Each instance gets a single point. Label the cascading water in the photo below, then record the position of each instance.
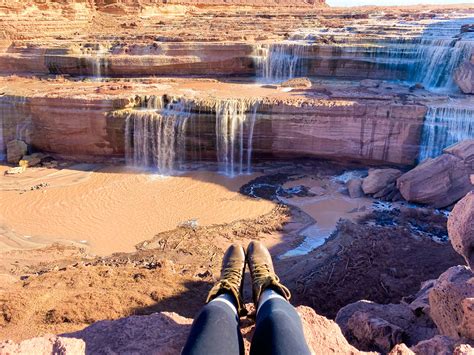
(425, 51)
(234, 120)
(443, 127)
(155, 136)
(281, 61)
(2, 143)
(99, 63)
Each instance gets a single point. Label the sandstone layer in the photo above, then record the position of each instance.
(347, 124)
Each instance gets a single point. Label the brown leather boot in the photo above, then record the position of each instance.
(232, 277)
(262, 272)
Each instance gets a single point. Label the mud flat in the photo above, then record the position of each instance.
(111, 209)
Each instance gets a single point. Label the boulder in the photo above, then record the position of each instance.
(439, 345)
(16, 149)
(463, 150)
(464, 77)
(29, 161)
(48, 344)
(401, 349)
(463, 349)
(297, 83)
(452, 302)
(354, 187)
(372, 326)
(437, 182)
(379, 179)
(374, 333)
(443, 345)
(461, 228)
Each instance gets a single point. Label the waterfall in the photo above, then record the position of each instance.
(2, 142)
(443, 127)
(428, 53)
(424, 51)
(281, 61)
(155, 136)
(235, 119)
(99, 63)
(436, 61)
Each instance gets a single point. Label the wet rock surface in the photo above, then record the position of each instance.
(464, 77)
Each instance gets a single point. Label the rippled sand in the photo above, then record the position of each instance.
(111, 209)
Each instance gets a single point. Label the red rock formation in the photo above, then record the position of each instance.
(452, 303)
(442, 181)
(379, 179)
(461, 228)
(86, 122)
(167, 333)
(372, 326)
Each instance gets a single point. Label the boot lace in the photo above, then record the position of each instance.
(262, 271)
(232, 275)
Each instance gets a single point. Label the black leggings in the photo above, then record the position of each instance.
(216, 331)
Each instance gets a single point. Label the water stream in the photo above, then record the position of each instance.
(443, 127)
(235, 119)
(155, 136)
(281, 61)
(2, 142)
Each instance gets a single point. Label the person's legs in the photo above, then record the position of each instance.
(216, 329)
(278, 330)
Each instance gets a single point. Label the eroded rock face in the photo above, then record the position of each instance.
(441, 181)
(461, 228)
(372, 326)
(452, 302)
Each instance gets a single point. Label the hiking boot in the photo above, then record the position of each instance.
(262, 272)
(232, 277)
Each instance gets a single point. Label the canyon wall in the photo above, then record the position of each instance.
(266, 3)
(94, 129)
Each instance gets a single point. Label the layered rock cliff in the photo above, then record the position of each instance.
(90, 123)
